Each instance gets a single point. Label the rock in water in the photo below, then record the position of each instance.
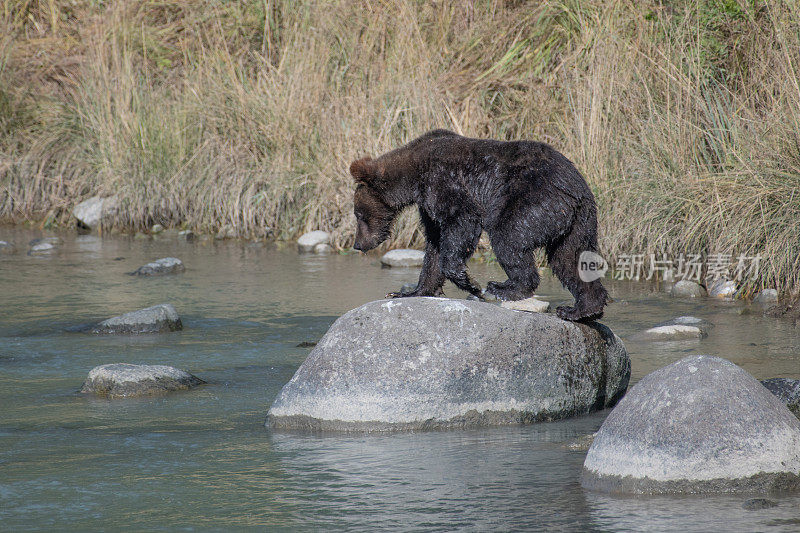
(787, 391)
(157, 319)
(165, 265)
(766, 297)
(677, 329)
(91, 212)
(308, 241)
(688, 289)
(123, 380)
(419, 363)
(724, 289)
(701, 424)
(403, 258)
(7, 247)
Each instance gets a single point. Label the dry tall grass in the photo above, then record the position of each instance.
(683, 116)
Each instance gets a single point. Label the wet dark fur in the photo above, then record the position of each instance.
(525, 195)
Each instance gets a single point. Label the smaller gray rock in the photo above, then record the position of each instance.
(701, 424)
(7, 247)
(403, 257)
(42, 248)
(323, 249)
(688, 289)
(787, 391)
(165, 265)
(93, 211)
(766, 297)
(723, 289)
(157, 319)
(531, 305)
(157, 228)
(309, 241)
(681, 328)
(187, 235)
(123, 380)
(55, 241)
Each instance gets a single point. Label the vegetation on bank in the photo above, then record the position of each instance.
(683, 115)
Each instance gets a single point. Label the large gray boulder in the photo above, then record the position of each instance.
(93, 211)
(418, 363)
(786, 390)
(157, 319)
(123, 380)
(159, 267)
(701, 424)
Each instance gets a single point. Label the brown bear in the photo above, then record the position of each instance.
(525, 195)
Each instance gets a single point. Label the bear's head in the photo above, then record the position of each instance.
(373, 215)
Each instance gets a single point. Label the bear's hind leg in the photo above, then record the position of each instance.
(591, 297)
(458, 243)
(523, 278)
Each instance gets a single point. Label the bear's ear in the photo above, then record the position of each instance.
(363, 170)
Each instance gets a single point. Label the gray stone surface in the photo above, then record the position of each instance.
(787, 390)
(157, 319)
(323, 248)
(701, 424)
(677, 329)
(420, 363)
(41, 248)
(766, 297)
(688, 289)
(404, 257)
(157, 228)
(7, 247)
(724, 289)
(531, 305)
(165, 265)
(93, 211)
(123, 380)
(308, 241)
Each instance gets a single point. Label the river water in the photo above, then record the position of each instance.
(202, 459)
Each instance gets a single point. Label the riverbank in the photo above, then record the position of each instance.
(683, 118)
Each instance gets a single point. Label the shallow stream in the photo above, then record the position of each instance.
(203, 459)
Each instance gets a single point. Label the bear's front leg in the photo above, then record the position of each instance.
(457, 245)
(431, 278)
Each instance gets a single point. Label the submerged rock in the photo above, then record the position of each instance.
(323, 248)
(123, 380)
(403, 257)
(756, 504)
(157, 319)
(766, 297)
(701, 424)
(308, 241)
(723, 288)
(187, 235)
(419, 363)
(581, 444)
(681, 328)
(7, 247)
(42, 248)
(531, 305)
(93, 211)
(165, 265)
(688, 289)
(787, 391)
